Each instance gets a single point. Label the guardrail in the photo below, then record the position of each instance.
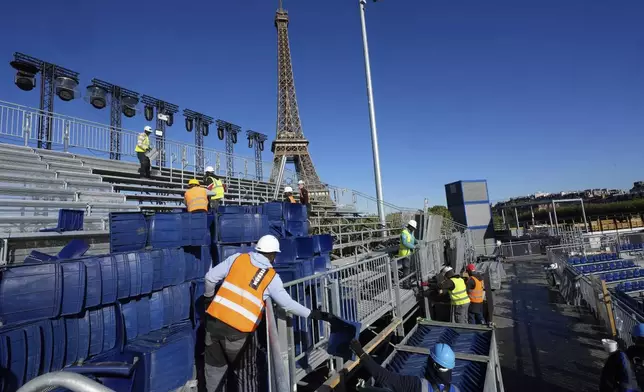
(362, 292)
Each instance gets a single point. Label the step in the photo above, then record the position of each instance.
(72, 175)
(37, 193)
(31, 183)
(106, 208)
(16, 207)
(53, 153)
(18, 153)
(103, 197)
(92, 186)
(26, 171)
(27, 224)
(59, 159)
(14, 147)
(55, 166)
(32, 159)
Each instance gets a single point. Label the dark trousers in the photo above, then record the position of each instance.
(144, 170)
(220, 355)
(475, 318)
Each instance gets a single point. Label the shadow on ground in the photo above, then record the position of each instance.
(544, 344)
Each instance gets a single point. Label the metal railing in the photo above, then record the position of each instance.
(362, 292)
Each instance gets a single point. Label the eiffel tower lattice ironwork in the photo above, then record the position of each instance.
(290, 140)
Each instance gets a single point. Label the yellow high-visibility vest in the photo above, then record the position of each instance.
(218, 188)
(143, 143)
(458, 295)
(405, 236)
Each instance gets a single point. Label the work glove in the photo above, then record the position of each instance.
(207, 301)
(356, 347)
(317, 314)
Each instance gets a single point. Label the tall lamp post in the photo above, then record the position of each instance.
(372, 116)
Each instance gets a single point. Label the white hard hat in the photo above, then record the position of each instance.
(288, 189)
(268, 244)
(412, 223)
(300, 182)
(147, 128)
(446, 269)
(210, 169)
(498, 243)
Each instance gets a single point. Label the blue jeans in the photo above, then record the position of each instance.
(475, 318)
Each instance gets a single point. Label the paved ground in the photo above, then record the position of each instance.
(544, 344)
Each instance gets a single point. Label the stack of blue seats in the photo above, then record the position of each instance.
(133, 308)
(637, 246)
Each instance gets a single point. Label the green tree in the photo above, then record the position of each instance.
(440, 210)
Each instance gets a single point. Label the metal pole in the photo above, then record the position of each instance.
(516, 216)
(554, 210)
(372, 116)
(583, 211)
(532, 213)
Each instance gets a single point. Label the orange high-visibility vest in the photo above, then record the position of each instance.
(291, 199)
(476, 294)
(196, 199)
(240, 299)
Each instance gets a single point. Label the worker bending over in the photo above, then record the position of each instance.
(235, 310)
(623, 370)
(288, 195)
(459, 299)
(196, 197)
(438, 373)
(406, 248)
(475, 291)
(215, 188)
(142, 147)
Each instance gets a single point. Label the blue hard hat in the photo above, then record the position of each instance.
(637, 331)
(443, 355)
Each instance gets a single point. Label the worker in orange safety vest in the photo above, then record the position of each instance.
(476, 292)
(196, 197)
(234, 311)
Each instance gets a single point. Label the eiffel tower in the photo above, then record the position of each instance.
(290, 140)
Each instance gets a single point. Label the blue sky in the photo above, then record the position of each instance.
(531, 95)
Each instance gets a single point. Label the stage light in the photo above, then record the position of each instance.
(128, 106)
(206, 129)
(26, 76)
(97, 96)
(170, 120)
(250, 142)
(66, 88)
(261, 146)
(149, 112)
(220, 133)
(189, 124)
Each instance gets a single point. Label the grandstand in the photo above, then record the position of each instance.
(36, 183)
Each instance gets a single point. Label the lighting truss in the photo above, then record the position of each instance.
(165, 108)
(256, 140)
(117, 94)
(49, 73)
(231, 131)
(201, 129)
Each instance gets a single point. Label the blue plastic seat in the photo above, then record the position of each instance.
(297, 228)
(629, 274)
(167, 360)
(74, 286)
(128, 231)
(174, 267)
(619, 264)
(157, 311)
(636, 273)
(147, 272)
(593, 268)
(622, 275)
(30, 292)
(158, 267)
(630, 263)
(102, 330)
(628, 287)
(68, 220)
(78, 336)
(613, 266)
(583, 260)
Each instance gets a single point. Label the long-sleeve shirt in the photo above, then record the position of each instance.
(275, 289)
(394, 381)
(411, 244)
